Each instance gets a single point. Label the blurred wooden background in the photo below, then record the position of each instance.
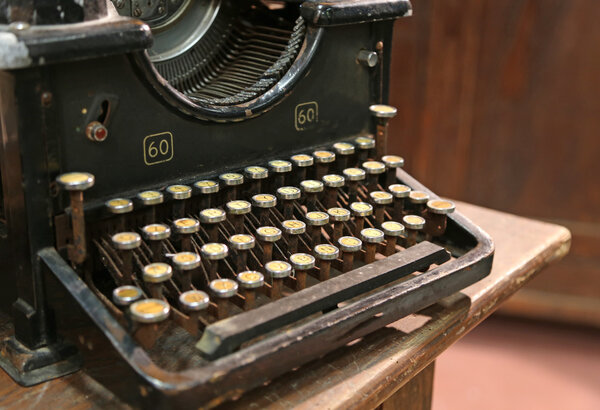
(499, 105)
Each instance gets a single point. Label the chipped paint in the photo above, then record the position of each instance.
(13, 53)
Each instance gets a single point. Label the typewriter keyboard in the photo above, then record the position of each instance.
(188, 256)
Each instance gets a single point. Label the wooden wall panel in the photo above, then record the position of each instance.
(499, 105)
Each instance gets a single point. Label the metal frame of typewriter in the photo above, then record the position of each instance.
(31, 210)
(227, 377)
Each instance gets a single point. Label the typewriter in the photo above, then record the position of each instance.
(203, 189)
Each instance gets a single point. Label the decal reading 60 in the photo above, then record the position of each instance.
(158, 148)
(306, 116)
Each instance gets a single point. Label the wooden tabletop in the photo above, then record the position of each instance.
(370, 370)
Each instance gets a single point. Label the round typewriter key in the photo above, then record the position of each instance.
(75, 183)
(343, 148)
(236, 210)
(249, 281)
(241, 243)
(154, 275)
(207, 189)
(373, 170)
(392, 231)
(353, 176)
(124, 296)
(413, 224)
(126, 240)
(293, 228)
(280, 166)
(211, 217)
(392, 162)
(365, 146)
(278, 271)
(155, 234)
(400, 193)
(193, 302)
(316, 219)
(301, 162)
(371, 237)
(223, 289)
(119, 207)
(185, 263)
(418, 200)
(149, 311)
(325, 253)
(323, 159)
(332, 183)
(179, 193)
(349, 245)
(232, 181)
(302, 263)
(338, 216)
(437, 215)
(151, 197)
(186, 227)
(287, 196)
(256, 174)
(360, 210)
(380, 199)
(215, 251)
(267, 235)
(311, 188)
(264, 202)
(382, 114)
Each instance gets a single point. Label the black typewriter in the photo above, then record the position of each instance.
(204, 186)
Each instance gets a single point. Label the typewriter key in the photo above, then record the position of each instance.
(76, 183)
(249, 281)
(223, 289)
(193, 302)
(155, 234)
(186, 228)
(332, 183)
(373, 169)
(287, 196)
(392, 231)
(150, 199)
(119, 207)
(214, 252)
(241, 243)
(267, 235)
(236, 210)
(301, 162)
(280, 169)
(371, 237)
(338, 216)
(380, 199)
(365, 145)
(311, 188)
(207, 189)
(232, 181)
(124, 296)
(382, 114)
(264, 202)
(293, 229)
(400, 193)
(353, 176)
(360, 210)
(413, 224)
(418, 199)
(149, 311)
(392, 162)
(155, 275)
(211, 218)
(325, 253)
(323, 159)
(179, 193)
(349, 246)
(344, 151)
(185, 263)
(316, 219)
(256, 174)
(126, 242)
(437, 215)
(278, 271)
(302, 263)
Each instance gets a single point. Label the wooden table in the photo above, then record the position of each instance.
(392, 367)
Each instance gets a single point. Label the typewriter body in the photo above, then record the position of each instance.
(205, 186)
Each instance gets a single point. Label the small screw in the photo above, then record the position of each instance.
(46, 99)
(137, 12)
(119, 3)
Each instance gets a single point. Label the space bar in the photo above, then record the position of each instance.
(227, 335)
